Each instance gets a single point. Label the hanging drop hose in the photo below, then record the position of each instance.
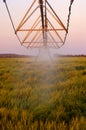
(11, 20)
(68, 20)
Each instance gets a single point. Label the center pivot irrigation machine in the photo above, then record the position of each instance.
(46, 28)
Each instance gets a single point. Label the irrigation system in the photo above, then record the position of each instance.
(42, 32)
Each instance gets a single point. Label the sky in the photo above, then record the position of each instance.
(76, 40)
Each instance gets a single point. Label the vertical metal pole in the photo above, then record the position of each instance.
(45, 26)
(42, 18)
(42, 4)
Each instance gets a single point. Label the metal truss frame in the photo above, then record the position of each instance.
(46, 27)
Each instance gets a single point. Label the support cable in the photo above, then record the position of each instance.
(11, 20)
(9, 14)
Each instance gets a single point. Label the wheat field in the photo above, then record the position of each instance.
(43, 95)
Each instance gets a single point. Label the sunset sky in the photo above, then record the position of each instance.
(76, 39)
